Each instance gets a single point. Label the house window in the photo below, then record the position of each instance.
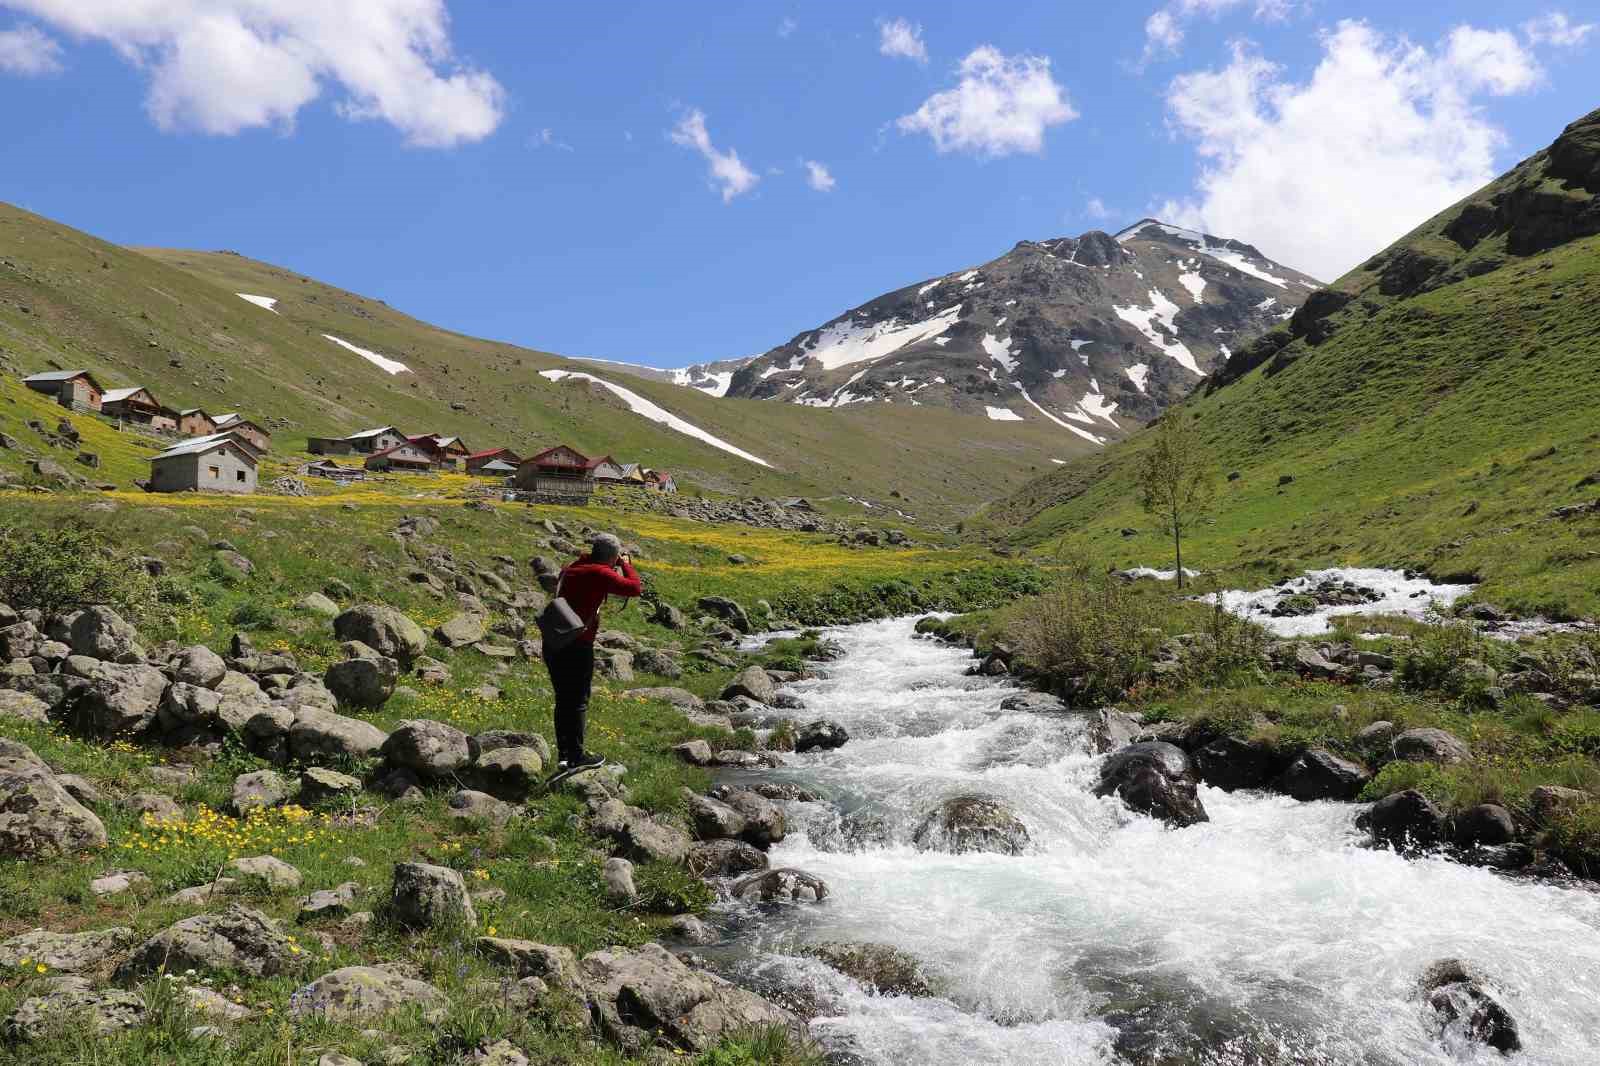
(215, 471)
(239, 476)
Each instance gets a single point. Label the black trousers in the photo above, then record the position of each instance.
(572, 677)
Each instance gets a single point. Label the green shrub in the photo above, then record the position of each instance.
(767, 1047)
(253, 615)
(56, 569)
(666, 889)
(1090, 634)
(1448, 656)
(1227, 649)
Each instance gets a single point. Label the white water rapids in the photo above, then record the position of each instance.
(1268, 935)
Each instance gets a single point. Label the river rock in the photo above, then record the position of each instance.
(730, 611)
(1465, 1007)
(692, 930)
(68, 1004)
(1231, 763)
(648, 997)
(821, 735)
(782, 885)
(753, 683)
(693, 752)
(971, 823)
(635, 835)
(1550, 801)
(424, 896)
(1109, 729)
(1403, 820)
(64, 952)
(764, 821)
(1431, 745)
(1487, 824)
(1321, 775)
(238, 939)
(39, 817)
(712, 819)
(363, 991)
(886, 970)
(1154, 778)
(725, 858)
(384, 629)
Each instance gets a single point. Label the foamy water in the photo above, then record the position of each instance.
(1265, 936)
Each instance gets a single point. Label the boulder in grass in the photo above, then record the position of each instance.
(237, 939)
(753, 683)
(554, 965)
(23, 707)
(384, 629)
(64, 952)
(200, 666)
(65, 1005)
(509, 774)
(424, 896)
(120, 700)
(1431, 745)
(38, 816)
(271, 871)
(460, 630)
(318, 784)
(317, 735)
(363, 678)
(101, 633)
(428, 748)
(355, 992)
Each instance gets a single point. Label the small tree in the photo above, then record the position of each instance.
(1175, 479)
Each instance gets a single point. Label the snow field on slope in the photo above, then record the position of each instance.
(267, 302)
(655, 413)
(382, 362)
(1145, 319)
(844, 343)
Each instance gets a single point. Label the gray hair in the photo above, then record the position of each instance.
(604, 547)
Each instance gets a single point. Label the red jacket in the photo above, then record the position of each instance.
(585, 584)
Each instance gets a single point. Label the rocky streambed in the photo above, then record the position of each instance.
(993, 909)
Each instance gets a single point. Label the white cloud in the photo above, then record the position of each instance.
(1096, 209)
(221, 66)
(901, 39)
(787, 26)
(1164, 29)
(818, 178)
(27, 51)
(1555, 28)
(1324, 173)
(727, 170)
(1001, 105)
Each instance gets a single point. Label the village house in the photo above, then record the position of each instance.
(605, 469)
(632, 474)
(492, 462)
(194, 422)
(137, 406)
(404, 458)
(327, 468)
(216, 463)
(366, 442)
(661, 481)
(449, 453)
(75, 389)
(244, 428)
(560, 472)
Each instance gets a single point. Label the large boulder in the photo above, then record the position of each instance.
(1431, 745)
(1465, 1008)
(647, 997)
(782, 885)
(510, 774)
(1485, 825)
(424, 896)
(199, 665)
(384, 629)
(38, 816)
(1318, 774)
(555, 965)
(725, 858)
(971, 822)
(821, 735)
(427, 748)
(319, 784)
(1404, 820)
(1232, 763)
(730, 611)
(364, 992)
(712, 819)
(66, 1006)
(23, 707)
(187, 707)
(269, 870)
(363, 678)
(460, 630)
(317, 735)
(764, 820)
(1109, 729)
(120, 700)
(101, 633)
(258, 789)
(635, 835)
(753, 683)
(238, 939)
(886, 970)
(64, 952)
(1154, 778)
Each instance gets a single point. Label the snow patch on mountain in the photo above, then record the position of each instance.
(1085, 434)
(1194, 283)
(1162, 311)
(1000, 351)
(654, 412)
(844, 343)
(259, 301)
(1138, 373)
(1002, 414)
(384, 363)
(1093, 406)
(710, 384)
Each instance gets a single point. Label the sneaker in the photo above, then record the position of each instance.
(586, 760)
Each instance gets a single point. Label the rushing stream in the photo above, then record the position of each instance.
(1267, 936)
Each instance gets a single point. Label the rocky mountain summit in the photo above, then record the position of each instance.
(1088, 332)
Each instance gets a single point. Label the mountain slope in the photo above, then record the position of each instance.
(174, 321)
(1433, 408)
(1089, 333)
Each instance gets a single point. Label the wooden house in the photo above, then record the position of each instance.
(449, 453)
(632, 474)
(137, 406)
(329, 446)
(220, 462)
(477, 461)
(372, 441)
(403, 458)
(661, 481)
(245, 429)
(195, 423)
(75, 389)
(456, 451)
(605, 469)
(559, 472)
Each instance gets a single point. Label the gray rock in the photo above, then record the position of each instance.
(362, 680)
(385, 630)
(329, 902)
(555, 965)
(752, 682)
(1465, 1007)
(695, 752)
(782, 885)
(1311, 663)
(494, 739)
(120, 700)
(185, 705)
(200, 666)
(820, 735)
(460, 630)
(117, 882)
(425, 896)
(764, 821)
(274, 872)
(635, 835)
(64, 952)
(1485, 825)
(1431, 745)
(101, 633)
(157, 805)
(1232, 763)
(318, 604)
(238, 939)
(712, 819)
(469, 804)
(363, 991)
(234, 561)
(69, 1004)
(428, 748)
(971, 823)
(38, 817)
(1404, 820)
(197, 895)
(1549, 801)
(618, 876)
(317, 735)
(1109, 730)
(23, 707)
(1321, 775)
(260, 788)
(692, 930)
(510, 774)
(725, 858)
(1154, 778)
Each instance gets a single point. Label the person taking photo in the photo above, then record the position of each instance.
(584, 584)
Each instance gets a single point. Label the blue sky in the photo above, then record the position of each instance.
(642, 183)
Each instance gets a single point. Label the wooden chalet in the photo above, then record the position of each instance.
(372, 441)
(194, 422)
(449, 453)
(605, 469)
(558, 473)
(404, 458)
(242, 427)
(660, 480)
(499, 458)
(138, 406)
(74, 389)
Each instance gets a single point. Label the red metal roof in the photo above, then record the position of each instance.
(557, 448)
(492, 451)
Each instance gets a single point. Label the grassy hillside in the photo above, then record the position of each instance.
(1432, 409)
(171, 320)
